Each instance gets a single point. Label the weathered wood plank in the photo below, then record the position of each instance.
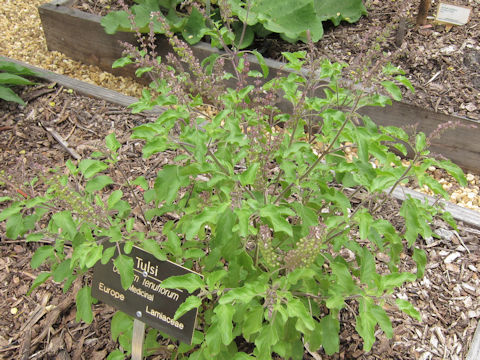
(84, 88)
(80, 36)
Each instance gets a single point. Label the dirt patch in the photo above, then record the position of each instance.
(42, 325)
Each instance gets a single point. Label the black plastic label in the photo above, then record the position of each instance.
(145, 299)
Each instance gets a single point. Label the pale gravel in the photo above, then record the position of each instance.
(21, 38)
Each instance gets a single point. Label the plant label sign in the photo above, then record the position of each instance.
(145, 300)
(453, 14)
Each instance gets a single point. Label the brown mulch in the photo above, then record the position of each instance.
(442, 64)
(42, 325)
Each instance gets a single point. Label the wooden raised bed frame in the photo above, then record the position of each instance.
(80, 36)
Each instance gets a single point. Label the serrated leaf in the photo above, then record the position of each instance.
(65, 222)
(392, 89)
(62, 271)
(276, 216)
(120, 324)
(249, 176)
(224, 314)
(420, 258)
(14, 226)
(383, 320)
(191, 302)
(330, 340)
(296, 308)
(39, 280)
(112, 143)
(42, 254)
(98, 183)
(124, 265)
(189, 282)
(154, 248)
(84, 305)
(90, 167)
(253, 321)
(408, 309)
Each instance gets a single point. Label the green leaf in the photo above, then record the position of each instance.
(383, 320)
(113, 199)
(17, 69)
(14, 226)
(420, 258)
(297, 309)
(224, 314)
(84, 305)
(243, 294)
(120, 324)
(391, 281)
(42, 254)
(191, 302)
(34, 237)
(11, 79)
(408, 309)
(276, 217)
(90, 167)
(124, 265)
(7, 94)
(190, 282)
(365, 324)
(420, 142)
(330, 340)
(153, 248)
(262, 63)
(392, 89)
(14, 209)
(115, 20)
(116, 355)
(123, 61)
(253, 321)
(107, 254)
(249, 176)
(39, 280)
(65, 222)
(195, 27)
(112, 143)
(98, 183)
(62, 271)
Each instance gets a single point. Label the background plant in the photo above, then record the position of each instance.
(11, 74)
(289, 18)
(270, 206)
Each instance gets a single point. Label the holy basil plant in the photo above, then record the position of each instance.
(276, 191)
(291, 19)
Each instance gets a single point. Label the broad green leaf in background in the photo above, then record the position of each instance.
(189, 282)
(84, 305)
(330, 327)
(191, 302)
(124, 265)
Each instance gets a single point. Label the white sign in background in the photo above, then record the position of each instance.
(453, 14)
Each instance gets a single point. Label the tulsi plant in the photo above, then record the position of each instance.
(283, 220)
